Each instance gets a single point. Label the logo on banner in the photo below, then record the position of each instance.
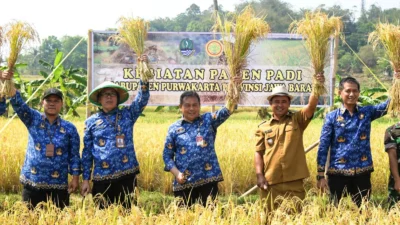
(186, 47)
(214, 48)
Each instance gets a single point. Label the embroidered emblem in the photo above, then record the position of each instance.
(62, 130)
(33, 170)
(270, 141)
(99, 122)
(58, 151)
(105, 165)
(342, 160)
(214, 116)
(180, 130)
(144, 88)
(170, 146)
(361, 116)
(37, 146)
(364, 158)
(207, 167)
(363, 136)
(183, 150)
(340, 119)
(341, 139)
(55, 174)
(205, 144)
(186, 173)
(41, 125)
(125, 159)
(101, 142)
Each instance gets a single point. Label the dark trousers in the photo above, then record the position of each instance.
(358, 187)
(35, 196)
(119, 192)
(190, 196)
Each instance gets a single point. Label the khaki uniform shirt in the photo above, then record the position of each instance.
(282, 143)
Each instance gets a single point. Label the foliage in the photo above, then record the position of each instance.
(71, 81)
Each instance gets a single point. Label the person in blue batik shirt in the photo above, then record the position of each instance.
(189, 152)
(346, 132)
(108, 144)
(52, 152)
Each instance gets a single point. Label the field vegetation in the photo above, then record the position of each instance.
(235, 149)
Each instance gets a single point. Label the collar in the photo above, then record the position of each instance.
(182, 120)
(288, 114)
(342, 109)
(112, 112)
(58, 120)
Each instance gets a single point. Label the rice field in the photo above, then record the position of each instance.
(235, 149)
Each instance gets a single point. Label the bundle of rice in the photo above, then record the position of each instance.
(133, 32)
(388, 35)
(238, 34)
(316, 28)
(17, 34)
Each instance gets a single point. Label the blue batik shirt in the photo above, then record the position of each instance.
(348, 138)
(100, 148)
(2, 105)
(199, 164)
(40, 171)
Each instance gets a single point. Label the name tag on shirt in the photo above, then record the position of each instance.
(49, 150)
(120, 141)
(199, 140)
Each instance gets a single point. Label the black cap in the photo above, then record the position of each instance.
(52, 91)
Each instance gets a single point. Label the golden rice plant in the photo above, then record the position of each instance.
(316, 28)
(133, 32)
(388, 35)
(17, 35)
(238, 34)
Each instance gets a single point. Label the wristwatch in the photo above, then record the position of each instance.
(319, 177)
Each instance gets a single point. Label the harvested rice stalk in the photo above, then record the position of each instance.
(133, 32)
(388, 35)
(17, 34)
(316, 28)
(238, 34)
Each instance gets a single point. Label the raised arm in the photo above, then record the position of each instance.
(313, 100)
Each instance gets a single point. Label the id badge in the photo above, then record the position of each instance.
(49, 150)
(120, 141)
(199, 140)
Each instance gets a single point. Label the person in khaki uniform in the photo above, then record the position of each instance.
(280, 160)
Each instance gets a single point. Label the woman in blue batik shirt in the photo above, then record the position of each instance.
(189, 152)
(108, 144)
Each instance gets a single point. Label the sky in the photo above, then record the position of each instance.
(76, 17)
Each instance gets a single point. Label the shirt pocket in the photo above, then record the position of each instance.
(291, 131)
(270, 141)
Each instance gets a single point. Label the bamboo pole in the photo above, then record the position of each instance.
(255, 187)
(89, 70)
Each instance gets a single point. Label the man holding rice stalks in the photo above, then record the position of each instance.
(346, 133)
(52, 151)
(108, 143)
(280, 160)
(189, 152)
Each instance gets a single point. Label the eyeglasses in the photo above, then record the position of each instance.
(108, 94)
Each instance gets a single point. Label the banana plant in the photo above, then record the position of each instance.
(71, 82)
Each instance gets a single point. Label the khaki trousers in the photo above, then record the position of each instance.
(277, 193)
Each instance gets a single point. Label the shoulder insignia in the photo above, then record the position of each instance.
(125, 159)
(58, 151)
(180, 130)
(55, 174)
(62, 130)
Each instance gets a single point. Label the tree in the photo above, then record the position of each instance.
(78, 58)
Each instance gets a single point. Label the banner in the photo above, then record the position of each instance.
(183, 61)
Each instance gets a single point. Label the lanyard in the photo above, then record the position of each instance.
(50, 132)
(117, 127)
